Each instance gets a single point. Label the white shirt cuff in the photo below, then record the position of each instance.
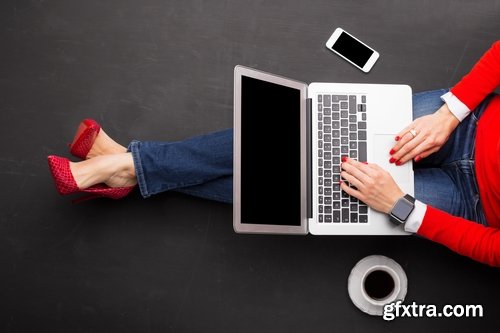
(459, 109)
(416, 217)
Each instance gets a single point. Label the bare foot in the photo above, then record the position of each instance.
(104, 145)
(116, 170)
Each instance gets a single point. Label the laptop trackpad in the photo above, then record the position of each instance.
(382, 145)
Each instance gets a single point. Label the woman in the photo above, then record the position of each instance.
(454, 142)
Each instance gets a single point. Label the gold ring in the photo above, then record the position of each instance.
(413, 132)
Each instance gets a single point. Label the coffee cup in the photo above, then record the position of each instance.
(376, 281)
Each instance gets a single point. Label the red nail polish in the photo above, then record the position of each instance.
(397, 138)
(340, 182)
(365, 162)
(418, 158)
(344, 158)
(398, 163)
(392, 160)
(392, 151)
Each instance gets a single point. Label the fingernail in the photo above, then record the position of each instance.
(392, 151)
(392, 160)
(418, 158)
(365, 162)
(340, 182)
(344, 158)
(398, 163)
(397, 138)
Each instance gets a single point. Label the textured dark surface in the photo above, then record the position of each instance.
(163, 70)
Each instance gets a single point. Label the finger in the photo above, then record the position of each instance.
(371, 168)
(403, 140)
(351, 191)
(423, 150)
(357, 169)
(419, 154)
(416, 154)
(425, 153)
(410, 149)
(404, 131)
(352, 180)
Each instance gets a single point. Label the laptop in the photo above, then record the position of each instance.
(289, 139)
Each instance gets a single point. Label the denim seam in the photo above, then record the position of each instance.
(175, 186)
(206, 195)
(478, 209)
(139, 171)
(473, 150)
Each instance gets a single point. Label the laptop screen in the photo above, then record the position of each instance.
(270, 153)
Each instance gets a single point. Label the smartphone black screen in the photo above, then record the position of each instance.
(352, 49)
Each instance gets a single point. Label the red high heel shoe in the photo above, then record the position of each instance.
(84, 138)
(66, 184)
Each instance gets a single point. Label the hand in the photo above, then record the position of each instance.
(432, 131)
(374, 186)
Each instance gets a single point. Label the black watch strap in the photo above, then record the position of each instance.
(410, 198)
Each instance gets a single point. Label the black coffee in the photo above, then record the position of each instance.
(379, 284)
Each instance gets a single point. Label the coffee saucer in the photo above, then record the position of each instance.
(356, 282)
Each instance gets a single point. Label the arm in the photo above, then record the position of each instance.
(462, 236)
(376, 188)
(481, 80)
(434, 130)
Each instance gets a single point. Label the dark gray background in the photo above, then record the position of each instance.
(162, 70)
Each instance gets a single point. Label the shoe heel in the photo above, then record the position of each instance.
(84, 138)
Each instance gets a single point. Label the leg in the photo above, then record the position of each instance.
(220, 189)
(452, 188)
(201, 166)
(427, 102)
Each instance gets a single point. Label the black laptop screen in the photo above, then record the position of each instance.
(270, 153)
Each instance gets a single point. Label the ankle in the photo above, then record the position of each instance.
(122, 172)
(125, 164)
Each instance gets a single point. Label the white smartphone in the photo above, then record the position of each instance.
(352, 49)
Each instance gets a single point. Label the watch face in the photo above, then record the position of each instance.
(402, 209)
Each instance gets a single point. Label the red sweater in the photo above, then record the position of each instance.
(466, 237)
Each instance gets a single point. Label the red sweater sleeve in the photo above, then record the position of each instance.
(462, 236)
(481, 80)
(466, 237)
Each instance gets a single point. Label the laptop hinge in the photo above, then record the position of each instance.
(309, 156)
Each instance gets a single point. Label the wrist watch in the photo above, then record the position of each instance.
(402, 209)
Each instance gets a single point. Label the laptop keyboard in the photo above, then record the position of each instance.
(341, 132)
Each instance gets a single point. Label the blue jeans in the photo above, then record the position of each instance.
(203, 166)
(447, 179)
